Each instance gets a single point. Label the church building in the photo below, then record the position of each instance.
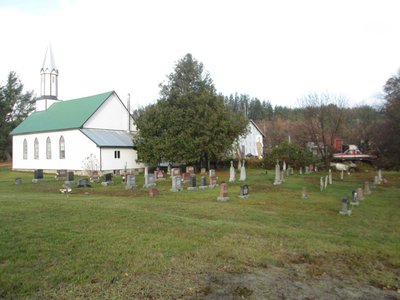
(91, 132)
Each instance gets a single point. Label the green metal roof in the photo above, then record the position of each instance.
(62, 115)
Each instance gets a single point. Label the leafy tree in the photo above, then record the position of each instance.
(292, 153)
(388, 133)
(190, 122)
(15, 106)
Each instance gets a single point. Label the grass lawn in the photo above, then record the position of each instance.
(105, 242)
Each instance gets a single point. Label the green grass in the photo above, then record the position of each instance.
(105, 242)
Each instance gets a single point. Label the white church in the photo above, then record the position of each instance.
(67, 135)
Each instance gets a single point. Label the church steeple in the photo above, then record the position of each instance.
(48, 82)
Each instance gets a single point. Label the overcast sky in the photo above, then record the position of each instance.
(273, 50)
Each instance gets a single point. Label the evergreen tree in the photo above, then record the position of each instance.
(15, 106)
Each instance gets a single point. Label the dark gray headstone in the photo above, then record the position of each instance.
(18, 180)
(38, 174)
(345, 207)
(70, 176)
(130, 182)
(244, 191)
(108, 177)
(84, 182)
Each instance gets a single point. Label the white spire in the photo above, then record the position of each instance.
(48, 62)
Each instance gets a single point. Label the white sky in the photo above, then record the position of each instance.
(273, 50)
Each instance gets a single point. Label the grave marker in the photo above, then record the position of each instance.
(232, 173)
(345, 207)
(130, 182)
(244, 191)
(223, 193)
(243, 172)
(176, 184)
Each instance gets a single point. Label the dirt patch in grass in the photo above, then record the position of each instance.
(289, 283)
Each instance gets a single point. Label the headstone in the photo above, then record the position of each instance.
(301, 171)
(175, 172)
(341, 174)
(244, 191)
(169, 169)
(84, 182)
(18, 180)
(149, 181)
(354, 199)
(321, 184)
(61, 174)
(330, 176)
(345, 207)
(239, 165)
(376, 180)
(130, 182)
(176, 184)
(154, 192)
(315, 169)
(159, 175)
(213, 182)
(243, 172)
(380, 178)
(360, 194)
(284, 166)
(70, 176)
(66, 188)
(186, 177)
(37, 175)
(326, 182)
(311, 168)
(203, 171)
(291, 171)
(307, 170)
(107, 180)
(304, 194)
(277, 174)
(211, 173)
(192, 182)
(282, 176)
(203, 183)
(288, 171)
(223, 193)
(190, 169)
(95, 176)
(146, 171)
(232, 173)
(367, 190)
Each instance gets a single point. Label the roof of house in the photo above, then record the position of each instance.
(258, 128)
(62, 115)
(109, 138)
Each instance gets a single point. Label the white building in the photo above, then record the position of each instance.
(64, 134)
(252, 144)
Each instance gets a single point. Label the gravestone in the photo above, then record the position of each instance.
(367, 190)
(330, 176)
(315, 169)
(244, 191)
(203, 171)
(360, 194)
(61, 174)
(223, 192)
(211, 173)
(354, 199)
(380, 178)
(192, 183)
(83, 182)
(149, 181)
(284, 166)
(66, 188)
(159, 175)
(304, 194)
(282, 176)
(186, 177)
(301, 171)
(239, 166)
(213, 182)
(70, 176)
(130, 182)
(95, 176)
(376, 180)
(175, 172)
(321, 184)
(107, 180)
(190, 169)
(232, 173)
(37, 175)
(341, 174)
(203, 183)
(277, 174)
(345, 207)
(287, 171)
(154, 192)
(243, 172)
(176, 184)
(169, 169)
(326, 182)
(18, 180)
(307, 170)
(291, 171)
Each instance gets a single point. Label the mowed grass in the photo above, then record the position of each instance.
(105, 242)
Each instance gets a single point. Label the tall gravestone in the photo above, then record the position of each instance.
(360, 194)
(367, 190)
(277, 174)
(149, 181)
(243, 172)
(223, 193)
(232, 173)
(244, 191)
(321, 184)
(130, 182)
(192, 182)
(37, 175)
(176, 184)
(304, 193)
(330, 176)
(203, 183)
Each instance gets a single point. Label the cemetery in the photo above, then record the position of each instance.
(235, 232)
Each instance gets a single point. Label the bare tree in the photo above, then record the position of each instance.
(324, 115)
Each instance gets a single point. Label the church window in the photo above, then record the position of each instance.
(36, 149)
(62, 148)
(25, 149)
(48, 148)
(117, 154)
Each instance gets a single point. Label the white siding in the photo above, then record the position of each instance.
(249, 142)
(77, 148)
(111, 115)
(127, 159)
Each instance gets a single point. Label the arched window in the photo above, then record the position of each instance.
(62, 148)
(25, 150)
(48, 148)
(36, 149)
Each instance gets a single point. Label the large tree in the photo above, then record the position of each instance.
(15, 106)
(324, 116)
(388, 133)
(190, 122)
